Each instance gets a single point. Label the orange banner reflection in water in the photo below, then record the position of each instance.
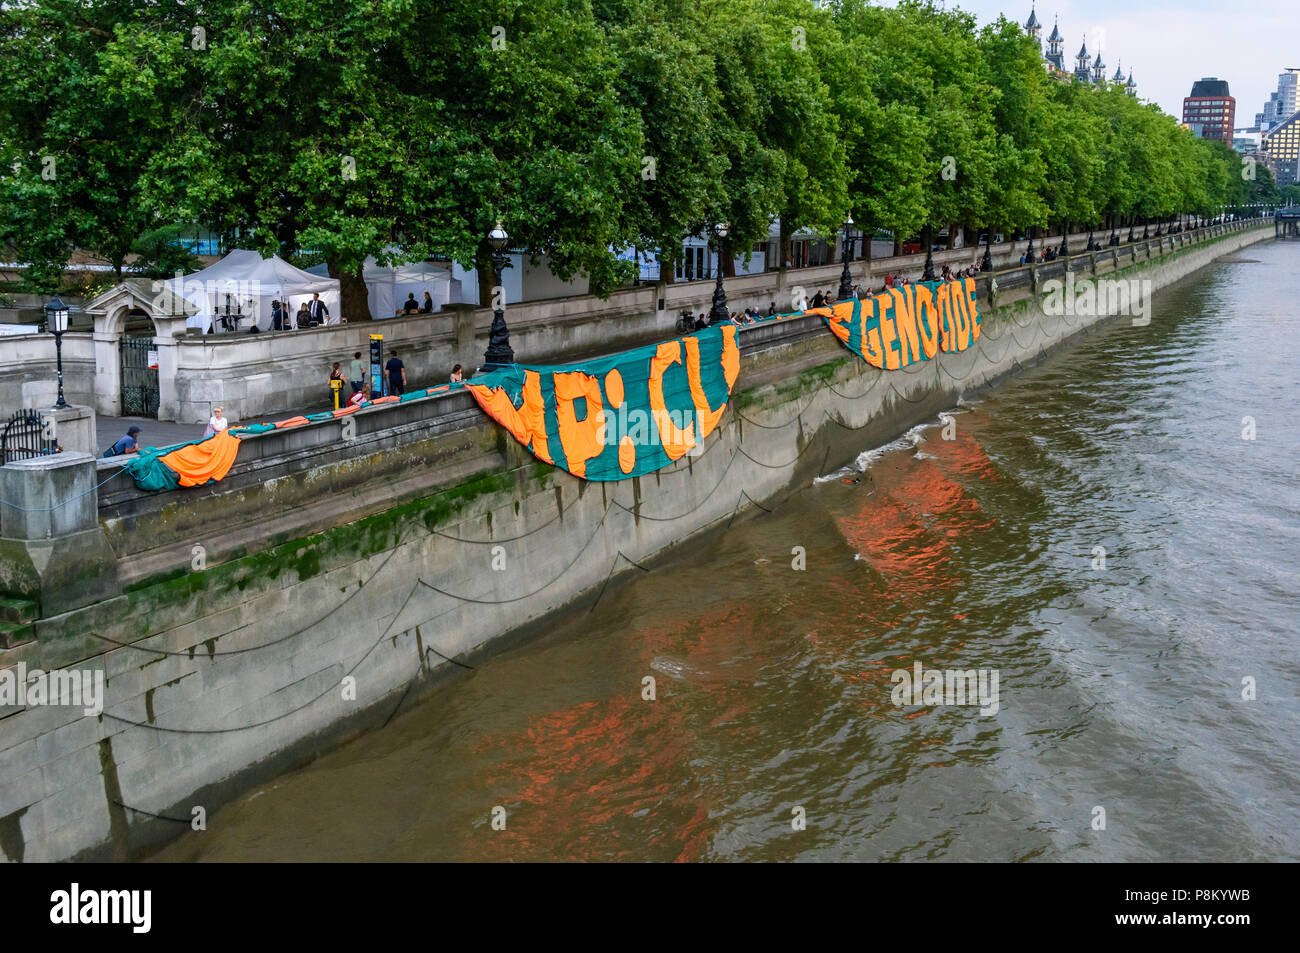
(577, 774)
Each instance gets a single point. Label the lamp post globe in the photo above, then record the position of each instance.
(719, 310)
(56, 320)
(846, 277)
(498, 349)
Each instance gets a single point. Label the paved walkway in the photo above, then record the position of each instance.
(164, 433)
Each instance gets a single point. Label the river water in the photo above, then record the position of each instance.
(1121, 669)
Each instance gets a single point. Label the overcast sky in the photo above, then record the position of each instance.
(1172, 43)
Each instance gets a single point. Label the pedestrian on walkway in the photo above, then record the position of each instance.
(427, 306)
(356, 372)
(396, 375)
(336, 374)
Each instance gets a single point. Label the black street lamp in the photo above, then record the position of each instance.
(1029, 252)
(1065, 244)
(719, 310)
(1092, 244)
(56, 319)
(1146, 231)
(987, 263)
(846, 277)
(928, 274)
(498, 349)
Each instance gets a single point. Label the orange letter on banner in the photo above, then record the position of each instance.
(888, 334)
(963, 319)
(947, 326)
(707, 416)
(527, 424)
(581, 439)
(730, 356)
(675, 441)
(927, 318)
(906, 321)
(839, 322)
(871, 337)
(972, 305)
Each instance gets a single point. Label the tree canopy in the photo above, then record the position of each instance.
(403, 130)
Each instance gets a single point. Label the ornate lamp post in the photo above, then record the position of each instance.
(1029, 252)
(987, 263)
(928, 274)
(56, 318)
(498, 349)
(846, 277)
(719, 310)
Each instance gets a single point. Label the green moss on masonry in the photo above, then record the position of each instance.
(307, 556)
(805, 382)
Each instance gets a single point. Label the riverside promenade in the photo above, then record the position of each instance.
(259, 377)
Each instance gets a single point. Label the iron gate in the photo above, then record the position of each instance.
(26, 435)
(139, 377)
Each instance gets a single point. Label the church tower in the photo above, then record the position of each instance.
(1083, 63)
(1034, 28)
(1055, 55)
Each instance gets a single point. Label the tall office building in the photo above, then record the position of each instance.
(1280, 147)
(1209, 111)
(1282, 104)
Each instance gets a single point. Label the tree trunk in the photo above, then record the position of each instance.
(866, 253)
(784, 243)
(486, 278)
(354, 302)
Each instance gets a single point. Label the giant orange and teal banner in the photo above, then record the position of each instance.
(635, 412)
(910, 323)
(620, 416)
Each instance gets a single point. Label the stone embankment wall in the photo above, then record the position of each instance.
(251, 608)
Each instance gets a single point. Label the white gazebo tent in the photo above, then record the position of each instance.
(388, 285)
(249, 283)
